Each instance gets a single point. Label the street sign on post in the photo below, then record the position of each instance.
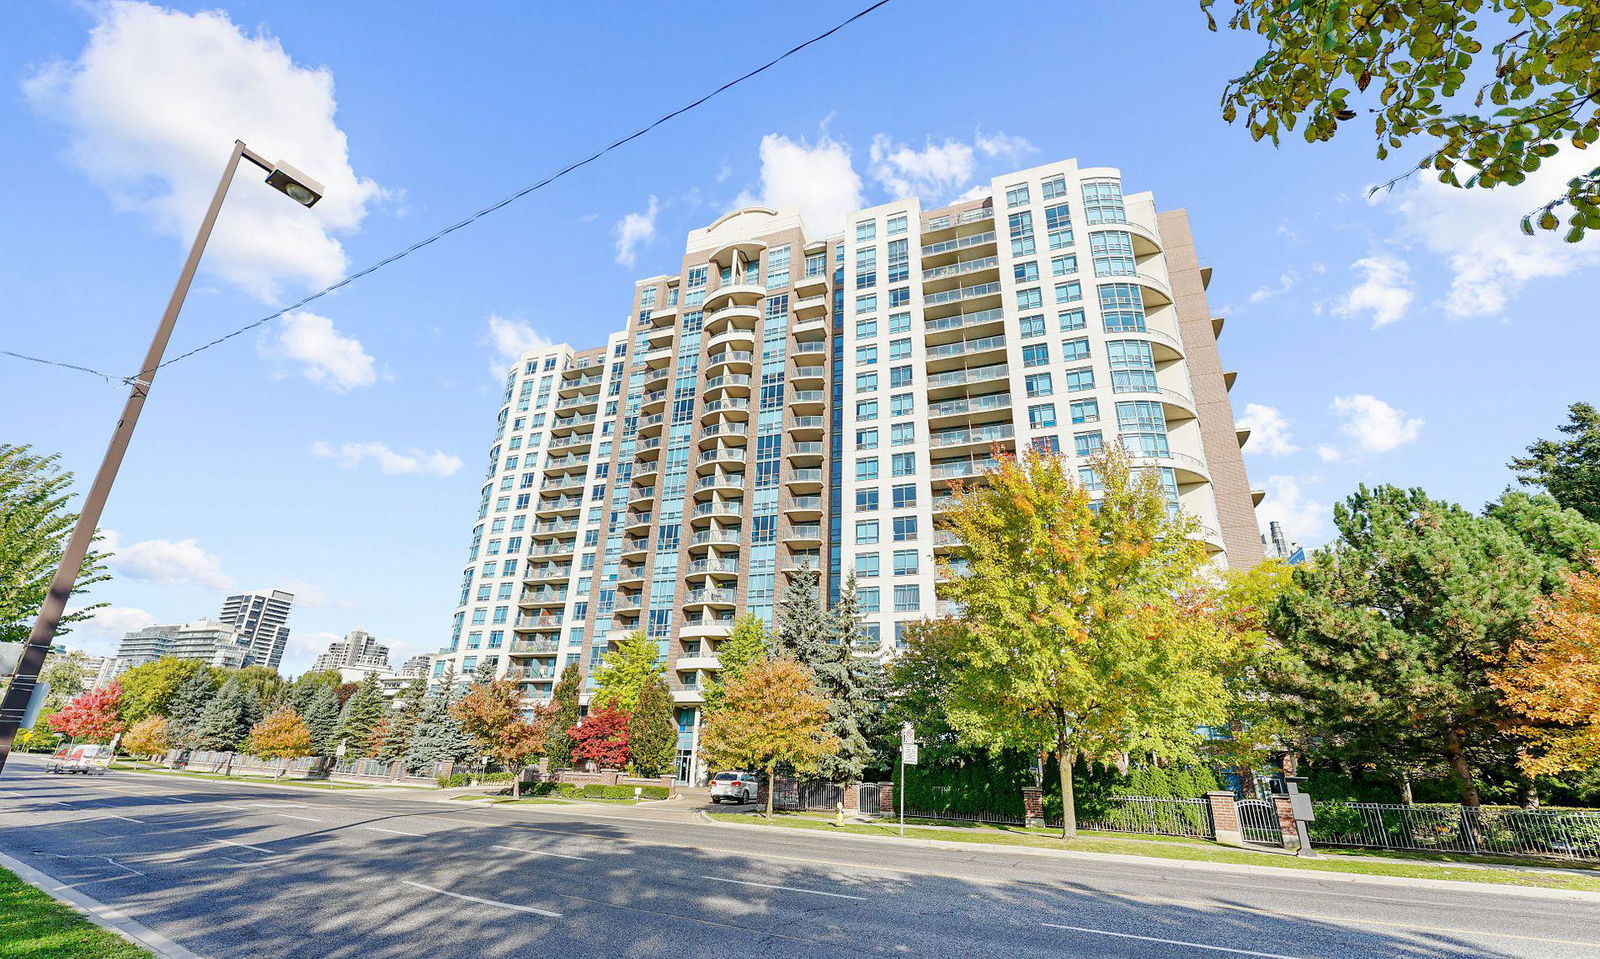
(908, 757)
(908, 754)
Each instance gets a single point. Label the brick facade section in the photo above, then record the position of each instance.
(1224, 818)
(1287, 822)
(1229, 484)
(1033, 805)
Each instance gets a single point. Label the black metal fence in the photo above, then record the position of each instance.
(1154, 817)
(1497, 830)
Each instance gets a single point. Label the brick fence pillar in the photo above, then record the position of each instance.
(852, 797)
(671, 784)
(1286, 822)
(886, 797)
(1224, 819)
(1033, 805)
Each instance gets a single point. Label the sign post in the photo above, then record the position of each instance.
(908, 757)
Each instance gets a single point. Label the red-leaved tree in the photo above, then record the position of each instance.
(92, 716)
(602, 738)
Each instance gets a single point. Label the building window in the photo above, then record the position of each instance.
(907, 598)
(1085, 411)
(866, 354)
(899, 296)
(896, 225)
(866, 500)
(1036, 354)
(1017, 195)
(867, 303)
(866, 382)
(899, 322)
(1030, 299)
(1069, 292)
(902, 434)
(867, 597)
(1058, 224)
(866, 409)
(1121, 307)
(866, 532)
(1038, 384)
(1065, 265)
(902, 404)
(1087, 444)
(1020, 224)
(903, 464)
(866, 230)
(899, 377)
(1073, 350)
(1071, 320)
(1102, 202)
(899, 349)
(1042, 417)
(905, 528)
(866, 329)
(905, 562)
(1054, 187)
(866, 439)
(867, 565)
(905, 495)
(1031, 326)
(1133, 368)
(1026, 272)
(1112, 251)
(1080, 380)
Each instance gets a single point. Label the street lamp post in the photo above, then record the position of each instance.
(293, 184)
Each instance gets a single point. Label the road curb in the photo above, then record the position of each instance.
(1238, 869)
(106, 917)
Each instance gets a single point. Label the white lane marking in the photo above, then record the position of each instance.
(288, 816)
(765, 885)
(396, 832)
(176, 799)
(280, 805)
(485, 902)
(1170, 942)
(128, 818)
(243, 845)
(540, 852)
(231, 806)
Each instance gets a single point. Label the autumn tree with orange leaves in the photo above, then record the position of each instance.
(491, 713)
(1551, 678)
(282, 735)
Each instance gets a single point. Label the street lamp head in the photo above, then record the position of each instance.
(294, 184)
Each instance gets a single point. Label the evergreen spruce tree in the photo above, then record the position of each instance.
(438, 736)
(652, 731)
(811, 637)
(186, 707)
(364, 710)
(321, 716)
(558, 746)
(403, 723)
(868, 689)
(226, 720)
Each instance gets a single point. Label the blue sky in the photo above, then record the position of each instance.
(1417, 340)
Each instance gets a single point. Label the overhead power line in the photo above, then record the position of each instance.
(467, 221)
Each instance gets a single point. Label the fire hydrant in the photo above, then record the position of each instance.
(838, 814)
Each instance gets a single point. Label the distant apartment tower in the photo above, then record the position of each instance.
(262, 617)
(1278, 546)
(359, 651)
(788, 402)
(208, 641)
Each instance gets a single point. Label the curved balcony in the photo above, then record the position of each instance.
(808, 427)
(567, 424)
(651, 425)
(814, 285)
(540, 624)
(559, 548)
(715, 540)
(806, 452)
(810, 354)
(664, 316)
(1164, 346)
(805, 480)
(720, 480)
(657, 359)
(1212, 539)
(733, 434)
(804, 534)
(549, 572)
(711, 459)
(638, 522)
(645, 471)
(697, 663)
(806, 377)
(734, 337)
(733, 384)
(653, 402)
(534, 647)
(1156, 291)
(630, 573)
(814, 327)
(1189, 469)
(804, 508)
(656, 379)
(810, 307)
(722, 598)
(747, 250)
(543, 596)
(707, 628)
(808, 401)
(553, 528)
(732, 360)
(566, 464)
(743, 293)
(712, 568)
(703, 513)
(571, 442)
(734, 315)
(648, 449)
(586, 403)
(660, 336)
(728, 408)
(628, 602)
(635, 546)
(1145, 241)
(558, 506)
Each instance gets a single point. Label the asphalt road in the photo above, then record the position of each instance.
(229, 870)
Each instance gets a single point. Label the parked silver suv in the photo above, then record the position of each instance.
(739, 786)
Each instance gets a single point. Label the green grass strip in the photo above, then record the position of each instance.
(33, 925)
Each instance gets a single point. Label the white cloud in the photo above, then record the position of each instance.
(325, 356)
(153, 104)
(632, 231)
(390, 462)
(174, 562)
(1002, 145)
(1477, 233)
(1328, 453)
(310, 596)
(113, 622)
(936, 169)
(1286, 282)
(1385, 291)
(1303, 518)
(510, 339)
(1375, 426)
(1269, 430)
(818, 179)
(308, 645)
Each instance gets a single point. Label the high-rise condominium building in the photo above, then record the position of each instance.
(213, 643)
(788, 401)
(358, 653)
(262, 616)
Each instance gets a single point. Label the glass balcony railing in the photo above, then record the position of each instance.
(961, 320)
(958, 219)
(963, 347)
(964, 293)
(977, 374)
(986, 434)
(962, 268)
(959, 243)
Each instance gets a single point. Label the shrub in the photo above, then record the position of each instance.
(597, 791)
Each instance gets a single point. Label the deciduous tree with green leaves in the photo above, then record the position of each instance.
(149, 687)
(772, 716)
(34, 525)
(746, 643)
(1391, 632)
(626, 670)
(653, 731)
(1568, 468)
(67, 675)
(147, 737)
(1413, 66)
(1074, 642)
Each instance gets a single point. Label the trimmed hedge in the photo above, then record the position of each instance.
(597, 791)
(467, 779)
